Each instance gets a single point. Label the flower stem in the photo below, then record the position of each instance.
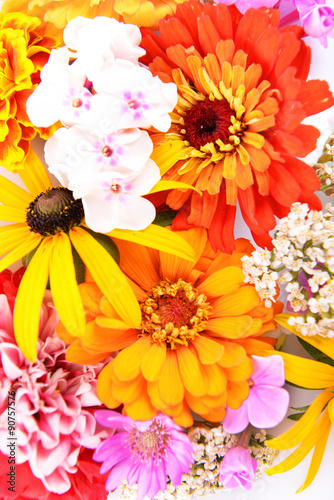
(245, 436)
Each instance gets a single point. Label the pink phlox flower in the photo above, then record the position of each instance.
(143, 452)
(267, 403)
(244, 5)
(238, 468)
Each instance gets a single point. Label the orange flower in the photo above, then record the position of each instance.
(200, 324)
(24, 49)
(59, 12)
(236, 128)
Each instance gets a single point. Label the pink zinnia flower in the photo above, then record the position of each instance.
(143, 452)
(54, 404)
(267, 403)
(238, 468)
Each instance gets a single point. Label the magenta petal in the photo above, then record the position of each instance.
(113, 419)
(268, 371)
(236, 420)
(238, 468)
(144, 482)
(118, 474)
(267, 406)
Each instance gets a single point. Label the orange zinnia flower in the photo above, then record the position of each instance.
(24, 49)
(200, 324)
(236, 128)
(60, 12)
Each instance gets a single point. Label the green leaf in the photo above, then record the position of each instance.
(106, 242)
(316, 353)
(164, 219)
(79, 266)
(301, 408)
(296, 416)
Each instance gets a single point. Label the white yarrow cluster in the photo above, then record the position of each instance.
(105, 100)
(303, 261)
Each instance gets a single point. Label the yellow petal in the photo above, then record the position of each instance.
(331, 410)
(193, 377)
(77, 354)
(127, 362)
(64, 287)
(166, 185)
(128, 393)
(208, 350)
(141, 409)
(35, 175)
(233, 355)
(153, 361)
(217, 379)
(298, 432)
(107, 276)
(307, 372)
(12, 214)
(14, 196)
(240, 372)
(222, 282)
(237, 303)
(300, 453)
(324, 344)
(166, 155)
(103, 388)
(159, 238)
(29, 300)
(317, 455)
(170, 385)
(230, 328)
(20, 243)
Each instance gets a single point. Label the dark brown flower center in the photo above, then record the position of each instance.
(207, 122)
(54, 211)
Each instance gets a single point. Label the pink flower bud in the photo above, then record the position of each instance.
(238, 468)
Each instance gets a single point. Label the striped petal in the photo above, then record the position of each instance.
(159, 238)
(127, 363)
(153, 361)
(192, 375)
(238, 303)
(64, 287)
(170, 385)
(107, 275)
(230, 328)
(13, 195)
(222, 282)
(208, 350)
(29, 300)
(19, 242)
(298, 432)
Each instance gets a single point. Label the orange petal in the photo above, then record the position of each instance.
(128, 361)
(142, 409)
(76, 353)
(237, 392)
(240, 372)
(238, 303)
(128, 393)
(153, 361)
(217, 379)
(222, 282)
(233, 355)
(196, 404)
(103, 387)
(230, 327)
(216, 415)
(208, 350)
(192, 375)
(185, 418)
(170, 384)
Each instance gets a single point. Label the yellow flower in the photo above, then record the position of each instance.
(200, 326)
(49, 221)
(59, 12)
(310, 431)
(24, 49)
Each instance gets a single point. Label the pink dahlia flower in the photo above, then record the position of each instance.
(54, 404)
(143, 452)
(238, 468)
(267, 403)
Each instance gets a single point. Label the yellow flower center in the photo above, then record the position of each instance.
(174, 313)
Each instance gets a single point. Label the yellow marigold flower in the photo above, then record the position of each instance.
(59, 12)
(310, 431)
(200, 325)
(24, 49)
(50, 222)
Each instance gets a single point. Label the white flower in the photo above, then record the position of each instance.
(318, 306)
(71, 153)
(61, 95)
(318, 279)
(139, 98)
(99, 41)
(112, 199)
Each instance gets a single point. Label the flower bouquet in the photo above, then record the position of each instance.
(142, 343)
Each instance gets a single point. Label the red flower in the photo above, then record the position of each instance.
(236, 130)
(9, 283)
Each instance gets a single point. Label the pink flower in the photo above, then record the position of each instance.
(238, 468)
(143, 452)
(54, 403)
(316, 17)
(267, 403)
(244, 5)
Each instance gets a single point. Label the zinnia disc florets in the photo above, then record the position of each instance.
(174, 313)
(53, 211)
(150, 444)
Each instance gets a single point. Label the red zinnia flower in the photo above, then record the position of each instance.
(236, 130)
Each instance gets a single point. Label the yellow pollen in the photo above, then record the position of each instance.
(174, 313)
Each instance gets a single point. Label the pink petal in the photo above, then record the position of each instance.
(236, 420)
(267, 406)
(268, 371)
(238, 468)
(118, 474)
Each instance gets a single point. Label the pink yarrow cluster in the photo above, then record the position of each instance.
(104, 98)
(54, 403)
